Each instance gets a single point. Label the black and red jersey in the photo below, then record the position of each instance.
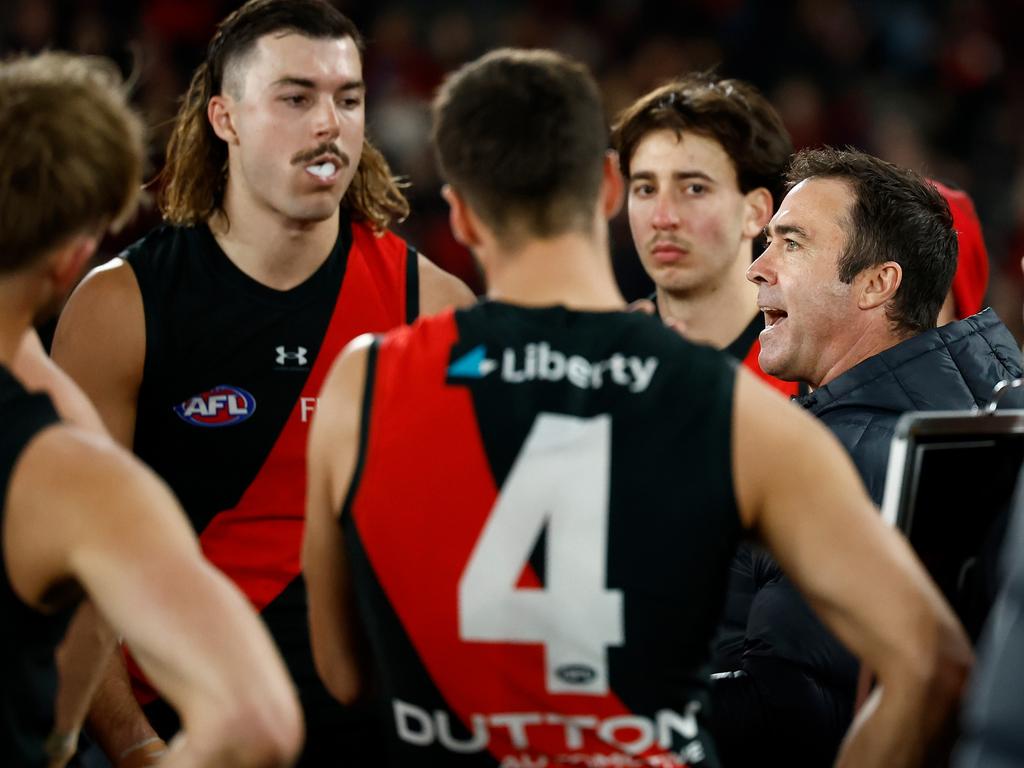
(539, 529)
(29, 638)
(231, 377)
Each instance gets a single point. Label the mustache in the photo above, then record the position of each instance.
(327, 148)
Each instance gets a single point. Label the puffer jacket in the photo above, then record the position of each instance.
(787, 698)
(950, 368)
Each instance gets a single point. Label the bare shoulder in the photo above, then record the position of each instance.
(780, 451)
(103, 316)
(104, 500)
(101, 342)
(342, 393)
(440, 290)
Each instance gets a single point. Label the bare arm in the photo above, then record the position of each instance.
(110, 516)
(101, 343)
(440, 290)
(332, 454)
(798, 489)
(89, 641)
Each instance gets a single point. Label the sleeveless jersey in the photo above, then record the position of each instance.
(539, 528)
(230, 382)
(29, 638)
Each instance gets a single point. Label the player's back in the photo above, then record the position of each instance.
(540, 526)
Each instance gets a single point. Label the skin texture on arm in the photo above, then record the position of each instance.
(101, 343)
(332, 455)
(798, 490)
(440, 290)
(110, 516)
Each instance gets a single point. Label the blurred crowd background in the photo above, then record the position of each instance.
(935, 85)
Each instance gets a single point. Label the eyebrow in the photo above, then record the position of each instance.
(305, 82)
(784, 229)
(676, 175)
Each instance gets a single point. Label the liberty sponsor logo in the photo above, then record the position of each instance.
(675, 735)
(539, 362)
(292, 358)
(221, 406)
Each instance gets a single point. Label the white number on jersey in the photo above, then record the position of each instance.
(559, 482)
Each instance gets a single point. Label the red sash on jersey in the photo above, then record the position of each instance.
(258, 543)
(419, 520)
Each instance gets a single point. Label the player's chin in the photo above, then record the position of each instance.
(314, 208)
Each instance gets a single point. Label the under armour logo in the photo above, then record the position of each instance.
(298, 357)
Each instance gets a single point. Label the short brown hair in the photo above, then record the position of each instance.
(732, 112)
(71, 153)
(896, 216)
(194, 176)
(522, 135)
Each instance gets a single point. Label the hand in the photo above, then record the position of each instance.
(646, 307)
(147, 752)
(60, 747)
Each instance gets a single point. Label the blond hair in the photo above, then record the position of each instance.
(71, 153)
(194, 177)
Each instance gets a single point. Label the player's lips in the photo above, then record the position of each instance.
(666, 253)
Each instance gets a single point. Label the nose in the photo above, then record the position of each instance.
(762, 270)
(665, 214)
(328, 124)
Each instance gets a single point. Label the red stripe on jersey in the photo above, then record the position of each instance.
(419, 522)
(788, 388)
(257, 543)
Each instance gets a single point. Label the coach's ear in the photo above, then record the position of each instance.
(612, 187)
(464, 223)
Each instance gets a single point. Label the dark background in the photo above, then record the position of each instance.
(934, 85)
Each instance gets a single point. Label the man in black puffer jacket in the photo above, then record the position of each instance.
(860, 257)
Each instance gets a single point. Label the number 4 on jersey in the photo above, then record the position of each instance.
(559, 482)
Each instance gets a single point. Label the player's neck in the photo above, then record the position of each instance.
(715, 314)
(274, 250)
(569, 270)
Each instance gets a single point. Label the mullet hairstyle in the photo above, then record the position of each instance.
(732, 112)
(194, 177)
(896, 216)
(71, 153)
(522, 136)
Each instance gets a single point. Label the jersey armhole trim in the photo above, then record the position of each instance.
(364, 427)
(412, 284)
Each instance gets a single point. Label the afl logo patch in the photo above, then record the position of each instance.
(221, 406)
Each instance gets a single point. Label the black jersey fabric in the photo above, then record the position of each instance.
(498, 413)
(230, 379)
(30, 637)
